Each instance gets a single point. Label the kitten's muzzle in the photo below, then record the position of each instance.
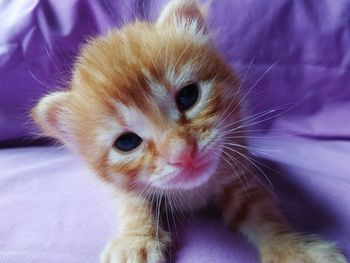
(185, 157)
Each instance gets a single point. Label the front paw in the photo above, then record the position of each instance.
(135, 250)
(298, 249)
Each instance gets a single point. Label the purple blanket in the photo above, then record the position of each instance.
(294, 57)
(54, 211)
(305, 42)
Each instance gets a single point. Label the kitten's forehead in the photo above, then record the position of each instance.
(135, 120)
(142, 68)
(120, 59)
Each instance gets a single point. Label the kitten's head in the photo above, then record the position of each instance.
(147, 103)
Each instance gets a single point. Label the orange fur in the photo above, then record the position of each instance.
(127, 80)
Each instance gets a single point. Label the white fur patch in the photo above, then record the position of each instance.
(135, 121)
(193, 30)
(107, 134)
(184, 76)
(163, 99)
(117, 157)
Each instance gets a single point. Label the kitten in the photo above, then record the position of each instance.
(151, 107)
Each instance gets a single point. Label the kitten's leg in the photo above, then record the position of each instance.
(139, 238)
(252, 211)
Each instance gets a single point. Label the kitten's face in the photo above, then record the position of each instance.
(148, 103)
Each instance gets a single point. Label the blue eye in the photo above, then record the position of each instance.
(187, 97)
(127, 142)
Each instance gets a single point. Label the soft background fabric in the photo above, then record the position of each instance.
(296, 55)
(53, 210)
(309, 41)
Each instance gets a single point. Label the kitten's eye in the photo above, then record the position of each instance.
(187, 97)
(127, 142)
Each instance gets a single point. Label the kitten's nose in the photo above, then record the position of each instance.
(184, 156)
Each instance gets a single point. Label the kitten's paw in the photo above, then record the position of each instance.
(296, 249)
(135, 250)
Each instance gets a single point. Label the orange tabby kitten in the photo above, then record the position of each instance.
(150, 107)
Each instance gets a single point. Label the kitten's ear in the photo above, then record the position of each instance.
(51, 114)
(184, 14)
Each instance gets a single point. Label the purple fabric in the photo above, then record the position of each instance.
(295, 55)
(309, 41)
(53, 210)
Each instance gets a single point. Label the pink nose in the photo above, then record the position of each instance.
(186, 156)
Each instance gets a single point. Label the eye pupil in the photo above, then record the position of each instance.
(127, 142)
(187, 97)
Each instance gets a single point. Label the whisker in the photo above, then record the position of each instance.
(253, 86)
(272, 117)
(228, 162)
(252, 148)
(182, 53)
(233, 99)
(257, 131)
(172, 213)
(248, 170)
(258, 115)
(168, 223)
(257, 82)
(158, 219)
(250, 161)
(263, 137)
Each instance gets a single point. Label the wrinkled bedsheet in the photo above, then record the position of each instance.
(53, 210)
(294, 60)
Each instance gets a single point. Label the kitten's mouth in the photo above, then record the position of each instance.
(194, 174)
